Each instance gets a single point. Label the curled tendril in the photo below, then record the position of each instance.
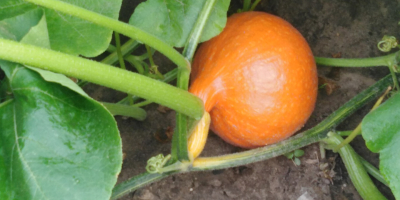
(156, 163)
(387, 43)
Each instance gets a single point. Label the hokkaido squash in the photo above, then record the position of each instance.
(258, 80)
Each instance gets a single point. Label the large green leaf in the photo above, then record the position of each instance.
(172, 20)
(381, 131)
(54, 142)
(70, 34)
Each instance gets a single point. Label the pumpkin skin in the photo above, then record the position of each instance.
(258, 80)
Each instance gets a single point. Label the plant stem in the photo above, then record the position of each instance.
(117, 26)
(168, 77)
(298, 141)
(118, 49)
(121, 60)
(358, 175)
(126, 48)
(357, 62)
(254, 5)
(315, 134)
(357, 130)
(246, 5)
(195, 35)
(353, 134)
(322, 150)
(179, 149)
(111, 59)
(118, 79)
(136, 183)
(373, 171)
(136, 63)
(143, 103)
(344, 133)
(124, 110)
(150, 55)
(3, 104)
(393, 73)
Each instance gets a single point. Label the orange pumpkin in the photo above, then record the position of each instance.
(258, 80)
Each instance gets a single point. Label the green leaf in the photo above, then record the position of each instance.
(172, 20)
(70, 34)
(381, 131)
(38, 35)
(12, 8)
(297, 161)
(289, 155)
(55, 143)
(298, 153)
(15, 28)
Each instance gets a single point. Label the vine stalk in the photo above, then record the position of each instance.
(112, 77)
(179, 149)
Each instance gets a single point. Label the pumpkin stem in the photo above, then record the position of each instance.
(198, 137)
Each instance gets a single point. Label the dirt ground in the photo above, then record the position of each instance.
(350, 28)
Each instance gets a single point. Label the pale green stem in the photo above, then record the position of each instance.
(143, 103)
(121, 60)
(358, 175)
(126, 49)
(125, 110)
(150, 55)
(135, 62)
(357, 62)
(373, 171)
(3, 104)
(119, 53)
(344, 133)
(111, 59)
(168, 77)
(179, 149)
(396, 83)
(255, 5)
(246, 5)
(354, 133)
(106, 75)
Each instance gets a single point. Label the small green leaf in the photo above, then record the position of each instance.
(298, 153)
(289, 155)
(381, 131)
(55, 143)
(172, 20)
(297, 161)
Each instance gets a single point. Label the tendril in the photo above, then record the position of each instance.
(387, 43)
(156, 163)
